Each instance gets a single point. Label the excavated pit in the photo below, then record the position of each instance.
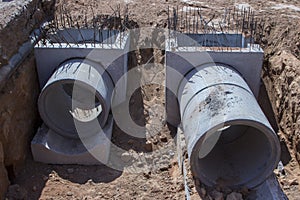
(20, 119)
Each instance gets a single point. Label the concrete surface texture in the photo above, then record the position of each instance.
(78, 87)
(181, 58)
(228, 129)
(49, 147)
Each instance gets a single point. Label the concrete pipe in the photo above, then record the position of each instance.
(76, 99)
(229, 140)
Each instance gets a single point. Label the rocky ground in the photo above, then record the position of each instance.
(151, 169)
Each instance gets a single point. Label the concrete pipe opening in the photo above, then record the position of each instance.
(239, 154)
(229, 140)
(76, 99)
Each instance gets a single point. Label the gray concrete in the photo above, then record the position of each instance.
(212, 40)
(269, 189)
(228, 137)
(111, 54)
(50, 147)
(78, 81)
(77, 86)
(211, 91)
(182, 59)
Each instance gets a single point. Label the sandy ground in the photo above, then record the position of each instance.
(156, 175)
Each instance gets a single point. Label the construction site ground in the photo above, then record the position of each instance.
(152, 171)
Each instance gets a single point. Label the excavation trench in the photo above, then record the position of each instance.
(139, 145)
(22, 89)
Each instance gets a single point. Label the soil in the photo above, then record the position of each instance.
(157, 174)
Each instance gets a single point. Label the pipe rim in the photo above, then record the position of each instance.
(256, 180)
(43, 110)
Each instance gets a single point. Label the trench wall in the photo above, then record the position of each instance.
(18, 83)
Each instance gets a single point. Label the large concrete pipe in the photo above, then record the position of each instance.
(229, 140)
(76, 98)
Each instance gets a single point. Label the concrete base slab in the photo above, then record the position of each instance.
(49, 147)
